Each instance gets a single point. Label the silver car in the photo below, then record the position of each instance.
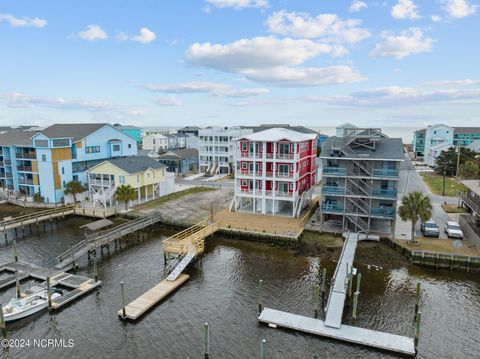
(430, 229)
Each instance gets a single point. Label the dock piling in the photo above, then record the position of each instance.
(260, 285)
(355, 304)
(206, 342)
(17, 284)
(74, 265)
(359, 279)
(316, 300)
(417, 330)
(95, 272)
(263, 349)
(15, 256)
(2, 323)
(124, 314)
(324, 285)
(417, 300)
(49, 293)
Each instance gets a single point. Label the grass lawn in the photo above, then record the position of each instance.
(450, 208)
(435, 183)
(441, 245)
(169, 197)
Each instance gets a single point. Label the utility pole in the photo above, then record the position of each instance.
(443, 187)
(458, 162)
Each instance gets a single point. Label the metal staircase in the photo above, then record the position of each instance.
(180, 266)
(104, 196)
(360, 224)
(360, 204)
(360, 187)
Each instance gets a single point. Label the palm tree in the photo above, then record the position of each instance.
(415, 206)
(73, 188)
(125, 193)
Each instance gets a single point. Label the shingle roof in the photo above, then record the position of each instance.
(190, 128)
(77, 131)
(466, 130)
(386, 148)
(277, 134)
(179, 154)
(135, 164)
(263, 127)
(19, 138)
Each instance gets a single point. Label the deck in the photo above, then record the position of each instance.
(152, 297)
(77, 285)
(356, 335)
(190, 239)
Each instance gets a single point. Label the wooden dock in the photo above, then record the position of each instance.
(367, 337)
(77, 285)
(190, 239)
(152, 297)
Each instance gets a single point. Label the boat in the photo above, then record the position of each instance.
(31, 301)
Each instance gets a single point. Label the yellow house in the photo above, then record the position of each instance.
(148, 177)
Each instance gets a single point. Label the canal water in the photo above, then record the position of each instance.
(222, 290)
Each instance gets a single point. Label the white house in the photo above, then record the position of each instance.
(155, 143)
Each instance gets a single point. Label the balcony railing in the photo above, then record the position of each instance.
(8, 162)
(335, 170)
(8, 175)
(383, 212)
(384, 173)
(2, 163)
(99, 182)
(27, 181)
(24, 168)
(332, 207)
(257, 192)
(386, 193)
(30, 155)
(333, 190)
(285, 156)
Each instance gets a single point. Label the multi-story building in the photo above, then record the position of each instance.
(192, 130)
(132, 131)
(360, 172)
(418, 143)
(43, 162)
(217, 147)
(156, 143)
(274, 172)
(180, 161)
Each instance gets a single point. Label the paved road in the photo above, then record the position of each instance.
(196, 182)
(410, 180)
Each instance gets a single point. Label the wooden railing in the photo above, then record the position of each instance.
(27, 217)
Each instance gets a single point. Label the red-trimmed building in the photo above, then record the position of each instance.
(274, 172)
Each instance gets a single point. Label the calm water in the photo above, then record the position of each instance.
(222, 290)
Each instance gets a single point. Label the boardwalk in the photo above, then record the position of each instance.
(77, 285)
(96, 240)
(184, 246)
(150, 298)
(332, 327)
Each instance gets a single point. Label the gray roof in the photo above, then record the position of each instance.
(19, 138)
(179, 154)
(77, 131)
(135, 164)
(469, 130)
(386, 148)
(263, 127)
(190, 128)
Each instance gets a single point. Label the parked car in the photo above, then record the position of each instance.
(453, 230)
(430, 229)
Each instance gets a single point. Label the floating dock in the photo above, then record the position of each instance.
(153, 296)
(367, 337)
(78, 285)
(332, 327)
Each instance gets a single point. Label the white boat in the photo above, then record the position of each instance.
(32, 301)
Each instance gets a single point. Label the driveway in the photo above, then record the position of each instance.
(409, 181)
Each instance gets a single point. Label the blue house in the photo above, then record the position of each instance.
(132, 131)
(180, 161)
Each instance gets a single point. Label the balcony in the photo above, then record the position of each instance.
(333, 190)
(384, 173)
(383, 212)
(24, 168)
(8, 175)
(285, 156)
(338, 171)
(248, 173)
(257, 192)
(2, 163)
(28, 155)
(331, 207)
(385, 193)
(25, 181)
(7, 162)
(249, 155)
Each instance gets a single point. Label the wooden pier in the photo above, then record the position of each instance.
(332, 327)
(77, 285)
(150, 298)
(184, 246)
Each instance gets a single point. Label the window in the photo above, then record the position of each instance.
(44, 158)
(121, 179)
(244, 165)
(244, 146)
(138, 178)
(63, 183)
(116, 148)
(64, 142)
(244, 182)
(41, 143)
(283, 169)
(129, 145)
(92, 149)
(63, 170)
(284, 148)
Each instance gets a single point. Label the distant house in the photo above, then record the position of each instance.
(148, 177)
(132, 131)
(180, 161)
(155, 143)
(193, 130)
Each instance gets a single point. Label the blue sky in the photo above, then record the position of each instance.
(230, 62)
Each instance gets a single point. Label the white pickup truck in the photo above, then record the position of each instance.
(453, 230)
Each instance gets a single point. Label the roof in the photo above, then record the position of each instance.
(277, 134)
(386, 148)
(134, 164)
(126, 127)
(77, 131)
(263, 127)
(473, 185)
(422, 130)
(347, 125)
(190, 128)
(179, 154)
(466, 130)
(19, 138)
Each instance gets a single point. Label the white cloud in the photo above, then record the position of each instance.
(309, 76)
(460, 8)
(326, 26)
(357, 6)
(19, 100)
(395, 96)
(145, 36)
(405, 9)
(409, 42)
(213, 88)
(436, 18)
(23, 21)
(256, 53)
(465, 82)
(167, 101)
(93, 33)
(239, 4)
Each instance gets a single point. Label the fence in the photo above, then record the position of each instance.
(472, 232)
